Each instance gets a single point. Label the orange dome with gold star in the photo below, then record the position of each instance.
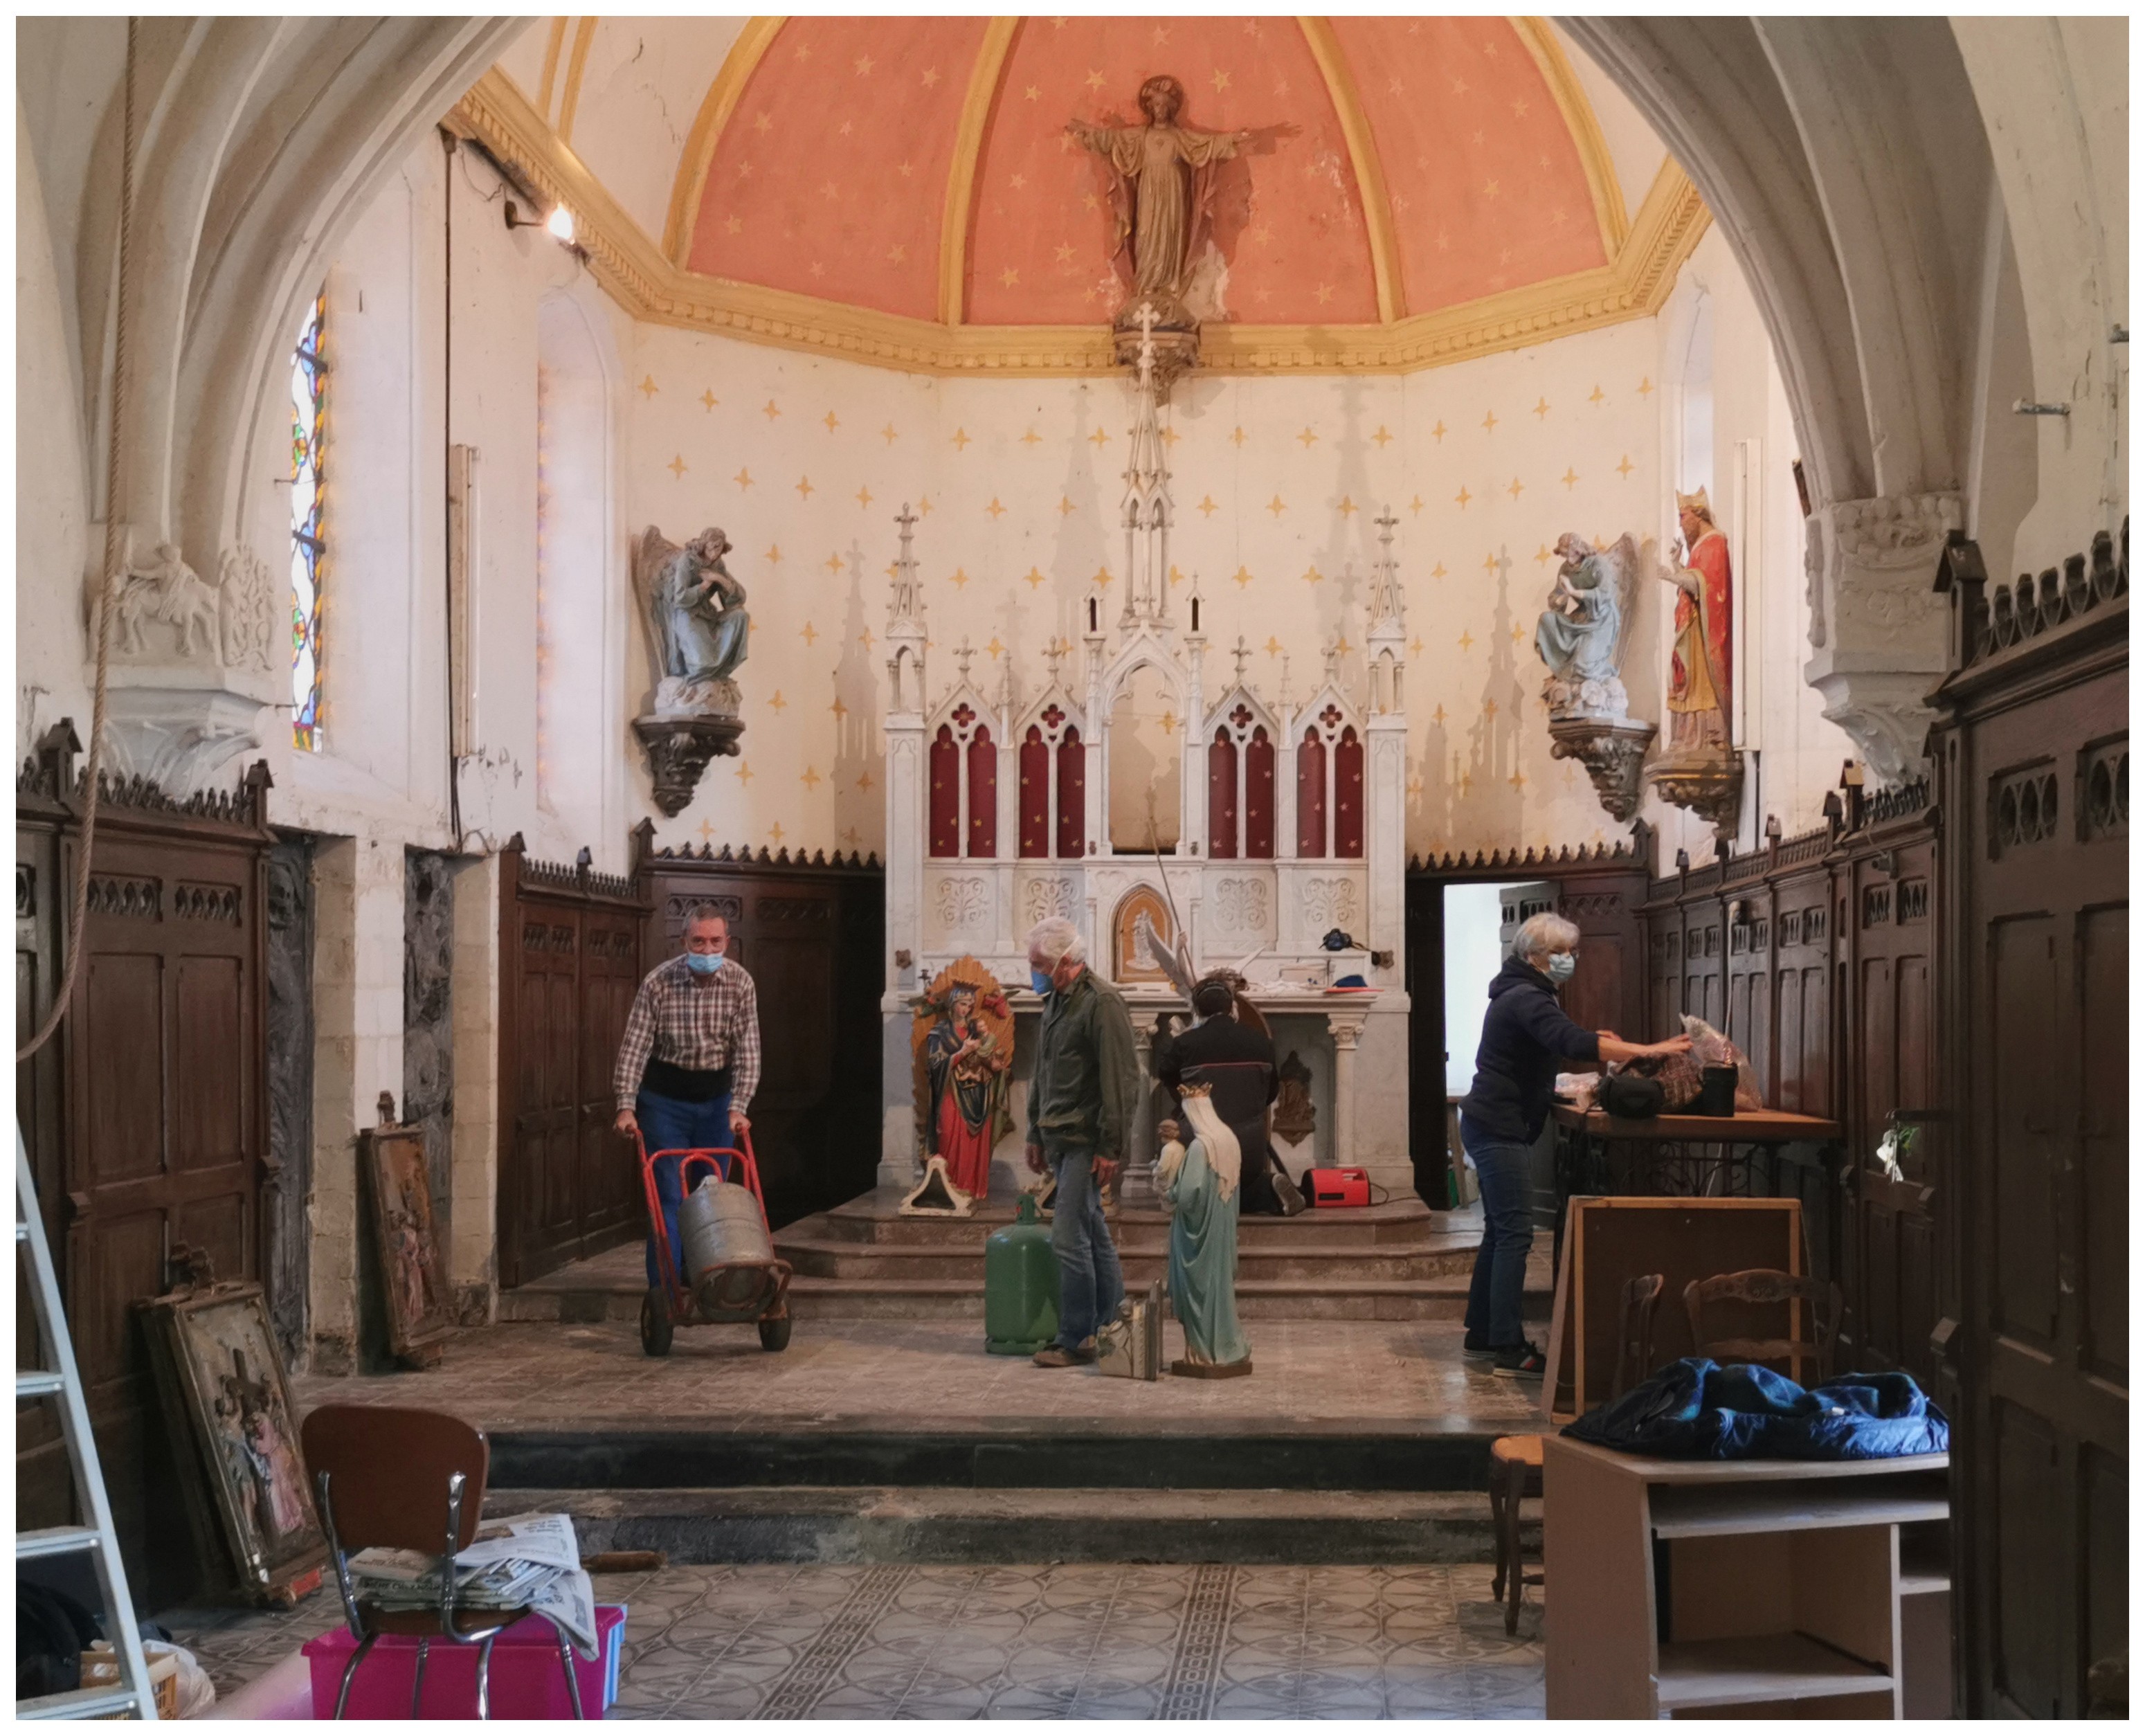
(905, 189)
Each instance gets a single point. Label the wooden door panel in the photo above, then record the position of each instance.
(2032, 1602)
(2026, 1079)
(123, 1043)
(2104, 1177)
(210, 1034)
(114, 1257)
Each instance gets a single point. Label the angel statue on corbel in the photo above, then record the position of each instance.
(697, 631)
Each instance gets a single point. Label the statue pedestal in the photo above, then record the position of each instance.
(678, 750)
(1614, 752)
(1709, 782)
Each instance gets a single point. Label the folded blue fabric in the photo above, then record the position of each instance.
(1699, 1409)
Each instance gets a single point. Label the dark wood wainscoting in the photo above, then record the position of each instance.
(147, 1115)
(1816, 955)
(1601, 889)
(569, 943)
(812, 935)
(2034, 752)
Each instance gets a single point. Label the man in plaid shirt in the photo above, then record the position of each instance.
(689, 1062)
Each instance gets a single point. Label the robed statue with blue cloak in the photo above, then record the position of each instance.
(1198, 1184)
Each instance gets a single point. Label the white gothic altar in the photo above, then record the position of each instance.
(1288, 851)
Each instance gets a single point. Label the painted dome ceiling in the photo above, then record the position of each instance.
(905, 188)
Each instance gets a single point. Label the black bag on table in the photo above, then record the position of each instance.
(1629, 1097)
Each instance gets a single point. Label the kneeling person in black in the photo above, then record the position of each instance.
(1236, 1063)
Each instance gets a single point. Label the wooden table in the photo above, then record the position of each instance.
(1688, 1156)
(1771, 1587)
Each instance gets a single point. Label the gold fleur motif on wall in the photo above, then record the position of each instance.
(775, 833)
(1516, 490)
(709, 399)
(1242, 575)
(1490, 421)
(864, 781)
(1099, 439)
(1438, 717)
(809, 777)
(1347, 505)
(1462, 498)
(1208, 507)
(839, 709)
(1102, 577)
(771, 409)
(1273, 646)
(1276, 506)
(1237, 437)
(1597, 396)
(648, 386)
(742, 479)
(863, 497)
(1541, 407)
(995, 510)
(808, 633)
(777, 701)
(745, 772)
(677, 466)
(1569, 477)
(1438, 571)
(803, 486)
(1466, 641)
(960, 440)
(1031, 438)
(1626, 468)
(888, 434)
(1034, 577)
(1416, 505)
(834, 565)
(1381, 436)
(775, 554)
(1064, 504)
(1313, 575)
(832, 421)
(1646, 387)
(959, 580)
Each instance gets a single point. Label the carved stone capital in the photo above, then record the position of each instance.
(1878, 627)
(178, 738)
(1710, 785)
(1613, 752)
(678, 750)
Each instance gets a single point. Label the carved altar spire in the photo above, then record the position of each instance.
(1146, 512)
(1385, 607)
(906, 636)
(906, 605)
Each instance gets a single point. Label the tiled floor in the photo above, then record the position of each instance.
(879, 1642)
(936, 1374)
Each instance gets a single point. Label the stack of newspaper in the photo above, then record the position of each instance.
(529, 1562)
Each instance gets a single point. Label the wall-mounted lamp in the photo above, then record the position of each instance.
(558, 225)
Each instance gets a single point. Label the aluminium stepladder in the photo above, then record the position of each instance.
(61, 1381)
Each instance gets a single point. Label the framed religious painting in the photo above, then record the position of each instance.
(413, 1276)
(220, 1377)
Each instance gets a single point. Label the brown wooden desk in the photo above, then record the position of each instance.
(1678, 1155)
(1766, 1587)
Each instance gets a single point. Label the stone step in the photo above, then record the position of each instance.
(990, 1526)
(1144, 1259)
(1410, 1224)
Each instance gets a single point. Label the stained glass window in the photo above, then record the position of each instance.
(308, 552)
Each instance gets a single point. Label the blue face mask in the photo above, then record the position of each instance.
(704, 964)
(1561, 965)
(1039, 981)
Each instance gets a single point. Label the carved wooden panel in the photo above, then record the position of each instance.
(290, 916)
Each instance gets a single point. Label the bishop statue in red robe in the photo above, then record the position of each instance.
(1699, 664)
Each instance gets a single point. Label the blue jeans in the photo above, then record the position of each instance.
(1500, 1285)
(667, 1125)
(1091, 1283)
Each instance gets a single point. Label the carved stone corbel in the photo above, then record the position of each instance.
(1614, 753)
(1878, 626)
(1709, 785)
(678, 750)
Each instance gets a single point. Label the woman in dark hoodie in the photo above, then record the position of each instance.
(1526, 1038)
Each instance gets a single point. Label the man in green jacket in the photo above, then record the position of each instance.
(1080, 1108)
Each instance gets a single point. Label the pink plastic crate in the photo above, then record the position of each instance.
(526, 1681)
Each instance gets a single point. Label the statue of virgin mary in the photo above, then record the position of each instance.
(1198, 1184)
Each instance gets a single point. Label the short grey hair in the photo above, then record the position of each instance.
(704, 913)
(1055, 938)
(1544, 932)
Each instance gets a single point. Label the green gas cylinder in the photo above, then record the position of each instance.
(1020, 1286)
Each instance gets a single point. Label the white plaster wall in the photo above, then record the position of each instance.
(51, 512)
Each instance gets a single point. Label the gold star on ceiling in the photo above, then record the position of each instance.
(677, 466)
(1095, 80)
(1626, 468)
(1242, 575)
(1276, 506)
(864, 66)
(771, 410)
(930, 76)
(1034, 577)
(1035, 93)
(908, 169)
(742, 479)
(994, 509)
(1019, 182)
(763, 121)
(1324, 293)
(960, 440)
(648, 386)
(1064, 252)
(1381, 437)
(710, 398)
(803, 485)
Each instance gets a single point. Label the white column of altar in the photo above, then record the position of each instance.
(906, 642)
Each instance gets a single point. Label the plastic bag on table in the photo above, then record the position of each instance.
(1709, 1047)
(1579, 1090)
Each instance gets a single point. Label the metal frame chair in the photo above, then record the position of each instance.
(374, 1460)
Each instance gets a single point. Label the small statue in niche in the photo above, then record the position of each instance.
(698, 630)
(1581, 636)
(697, 620)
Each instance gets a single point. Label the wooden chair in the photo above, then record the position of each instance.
(1817, 1296)
(1515, 1460)
(377, 1471)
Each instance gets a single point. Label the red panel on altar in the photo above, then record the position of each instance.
(1259, 797)
(945, 793)
(1034, 794)
(982, 794)
(1348, 795)
(1311, 796)
(1072, 796)
(1221, 797)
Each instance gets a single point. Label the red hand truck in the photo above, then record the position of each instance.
(752, 1292)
